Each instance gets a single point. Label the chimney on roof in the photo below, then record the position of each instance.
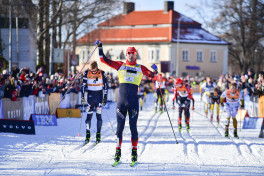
(168, 5)
(128, 7)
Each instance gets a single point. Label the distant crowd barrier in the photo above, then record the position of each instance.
(25, 106)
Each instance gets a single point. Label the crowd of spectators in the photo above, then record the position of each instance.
(23, 82)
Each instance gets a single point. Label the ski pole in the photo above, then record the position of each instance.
(81, 123)
(162, 99)
(154, 67)
(54, 109)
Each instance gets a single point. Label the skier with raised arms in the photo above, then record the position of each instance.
(130, 75)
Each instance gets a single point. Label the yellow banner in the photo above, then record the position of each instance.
(241, 113)
(54, 100)
(75, 113)
(261, 107)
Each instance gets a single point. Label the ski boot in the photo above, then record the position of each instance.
(235, 135)
(212, 117)
(218, 120)
(156, 110)
(188, 128)
(98, 137)
(87, 139)
(180, 127)
(134, 155)
(173, 107)
(226, 134)
(117, 155)
(161, 109)
(192, 107)
(206, 115)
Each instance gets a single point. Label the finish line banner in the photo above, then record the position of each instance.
(17, 126)
(252, 123)
(41, 119)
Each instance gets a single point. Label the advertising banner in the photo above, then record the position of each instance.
(261, 134)
(42, 104)
(1, 109)
(241, 114)
(28, 106)
(65, 103)
(68, 113)
(17, 126)
(261, 107)
(73, 99)
(13, 109)
(54, 100)
(252, 123)
(41, 119)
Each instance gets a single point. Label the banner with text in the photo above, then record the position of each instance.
(17, 126)
(28, 106)
(13, 109)
(68, 113)
(252, 123)
(73, 99)
(41, 119)
(65, 103)
(42, 104)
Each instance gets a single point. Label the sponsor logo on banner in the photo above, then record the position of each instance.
(65, 103)
(1, 110)
(252, 123)
(12, 109)
(28, 106)
(41, 119)
(42, 105)
(17, 126)
(68, 113)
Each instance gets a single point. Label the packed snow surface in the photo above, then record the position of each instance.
(205, 151)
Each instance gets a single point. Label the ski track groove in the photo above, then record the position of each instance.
(187, 143)
(239, 143)
(149, 134)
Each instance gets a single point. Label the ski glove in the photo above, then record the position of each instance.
(99, 44)
(104, 100)
(83, 101)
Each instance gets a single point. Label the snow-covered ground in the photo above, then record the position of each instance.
(56, 151)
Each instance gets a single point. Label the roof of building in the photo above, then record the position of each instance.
(150, 26)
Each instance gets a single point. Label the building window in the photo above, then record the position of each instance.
(213, 57)
(153, 54)
(88, 54)
(83, 56)
(185, 55)
(199, 56)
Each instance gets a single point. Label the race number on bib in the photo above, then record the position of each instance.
(129, 79)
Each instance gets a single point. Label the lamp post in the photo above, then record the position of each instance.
(178, 41)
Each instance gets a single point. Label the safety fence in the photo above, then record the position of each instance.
(44, 104)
